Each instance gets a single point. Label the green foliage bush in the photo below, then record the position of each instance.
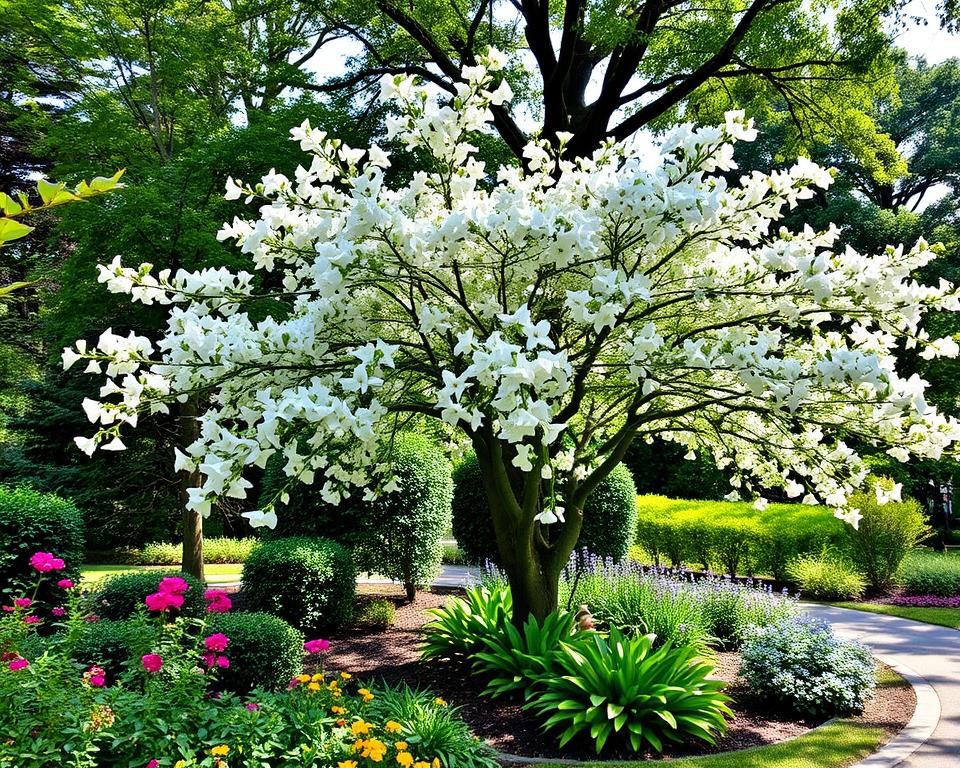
(33, 522)
(924, 572)
(801, 665)
(123, 594)
(403, 540)
(733, 537)
(827, 576)
(218, 549)
(460, 626)
(380, 613)
(605, 688)
(309, 582)
(609, 515)
(264, 651)
(885, 536)
(429, 727)
(111, 643)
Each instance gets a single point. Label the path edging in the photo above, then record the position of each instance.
(926, 717)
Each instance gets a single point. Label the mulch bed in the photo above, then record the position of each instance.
(391, 655)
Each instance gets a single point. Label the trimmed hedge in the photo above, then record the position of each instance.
(122, 595)
(403, 540)
(264, 651)
(218, 549)
(309, 582)
(37, 522)
(733, 537)
(609, 515)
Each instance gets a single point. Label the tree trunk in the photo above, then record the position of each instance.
(189, 430)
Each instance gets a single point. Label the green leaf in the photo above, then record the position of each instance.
(8, 205)
(12, 230)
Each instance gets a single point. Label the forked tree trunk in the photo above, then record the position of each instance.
(189, 430)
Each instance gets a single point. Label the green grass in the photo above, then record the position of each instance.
(216, 573)
(945, 617)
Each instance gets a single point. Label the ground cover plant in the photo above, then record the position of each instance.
(166, 705)
(925, 572)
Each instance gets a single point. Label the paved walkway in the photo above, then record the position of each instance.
(931, 651)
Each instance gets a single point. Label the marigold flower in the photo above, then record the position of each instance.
(392, 726)
(302, 678)
(341, 722)
(400, 745)
(421, 764)
(374, 749)
(347, 764)
(221, 750)
(313, 687)
(365, 693)
(345, 675)
(436, 762)
(317, 677)
(338, 710)
(405, 759)
(360, 727)
(440, 702)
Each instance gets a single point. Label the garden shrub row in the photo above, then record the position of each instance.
(216, 549)
(733, 537)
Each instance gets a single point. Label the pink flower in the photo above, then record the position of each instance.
(153, 764)
(223, 662)
(217, 601)
(31, 619)
(23, 602)
(45, 562)
(163, 601)
(316, 646)
(253, 707)
(173, 585)
(65, 584)
(210, 659)
(16, 664)
(98, 681)
(58, 612)
(8, 608)
(217, 642)
(152, 662)
(91, 617)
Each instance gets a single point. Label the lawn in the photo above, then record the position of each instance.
(216, 573)
(945, 617)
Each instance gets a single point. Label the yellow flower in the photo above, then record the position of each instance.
(347, 764)
(440, 702)
(367, 696)
(333, 685)
(338, 710)
(359, 727)
(220, 750)
(405, 759)
(400, 745)
(317, 677)
(313, 687)
(345, 675)
(303, 678)
(392, 726)
(180, 764)
(436, 762)
(421, 764)
(374, 749)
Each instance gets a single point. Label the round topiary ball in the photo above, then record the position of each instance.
(264, 651)
(121, 595)
(309, 582)
(609, 514)
(32, 522)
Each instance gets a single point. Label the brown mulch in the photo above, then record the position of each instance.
(392, 655)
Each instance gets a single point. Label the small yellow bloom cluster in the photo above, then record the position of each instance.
(375, 749)
(365, 693)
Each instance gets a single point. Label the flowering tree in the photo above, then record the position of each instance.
(547, 316)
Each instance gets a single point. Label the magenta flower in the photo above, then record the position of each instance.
(8, 609)
(316, 646)
(58, 612)
(163, 601)
(31, 619)
(217, 601)
(153, 764)
(98, 681)
(91, 617)
(223, 662)
(23, 602)
(253, 707)
(217, 642)
(152, 662)
(173, 585)
(16, 664)
(65, 584)
(45, 562)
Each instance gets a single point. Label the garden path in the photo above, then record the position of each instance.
(931, 651)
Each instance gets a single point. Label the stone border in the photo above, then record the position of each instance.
(926, 716)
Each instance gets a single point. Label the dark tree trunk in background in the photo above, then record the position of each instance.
(189, 430)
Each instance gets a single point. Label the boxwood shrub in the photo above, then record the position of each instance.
(37, 522)
(609, 515)
(309, 582)
(264, 651)
(121, 595)
(110, 643)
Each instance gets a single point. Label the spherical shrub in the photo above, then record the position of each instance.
(801, 665)
(264, 651)
(111, 644)
(33, 522)
(121, 595)
(309, 582)
(408, 524)
(379, 613)
(609, 515)
(826, 576)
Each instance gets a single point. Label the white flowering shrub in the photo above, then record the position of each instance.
(547, 315)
